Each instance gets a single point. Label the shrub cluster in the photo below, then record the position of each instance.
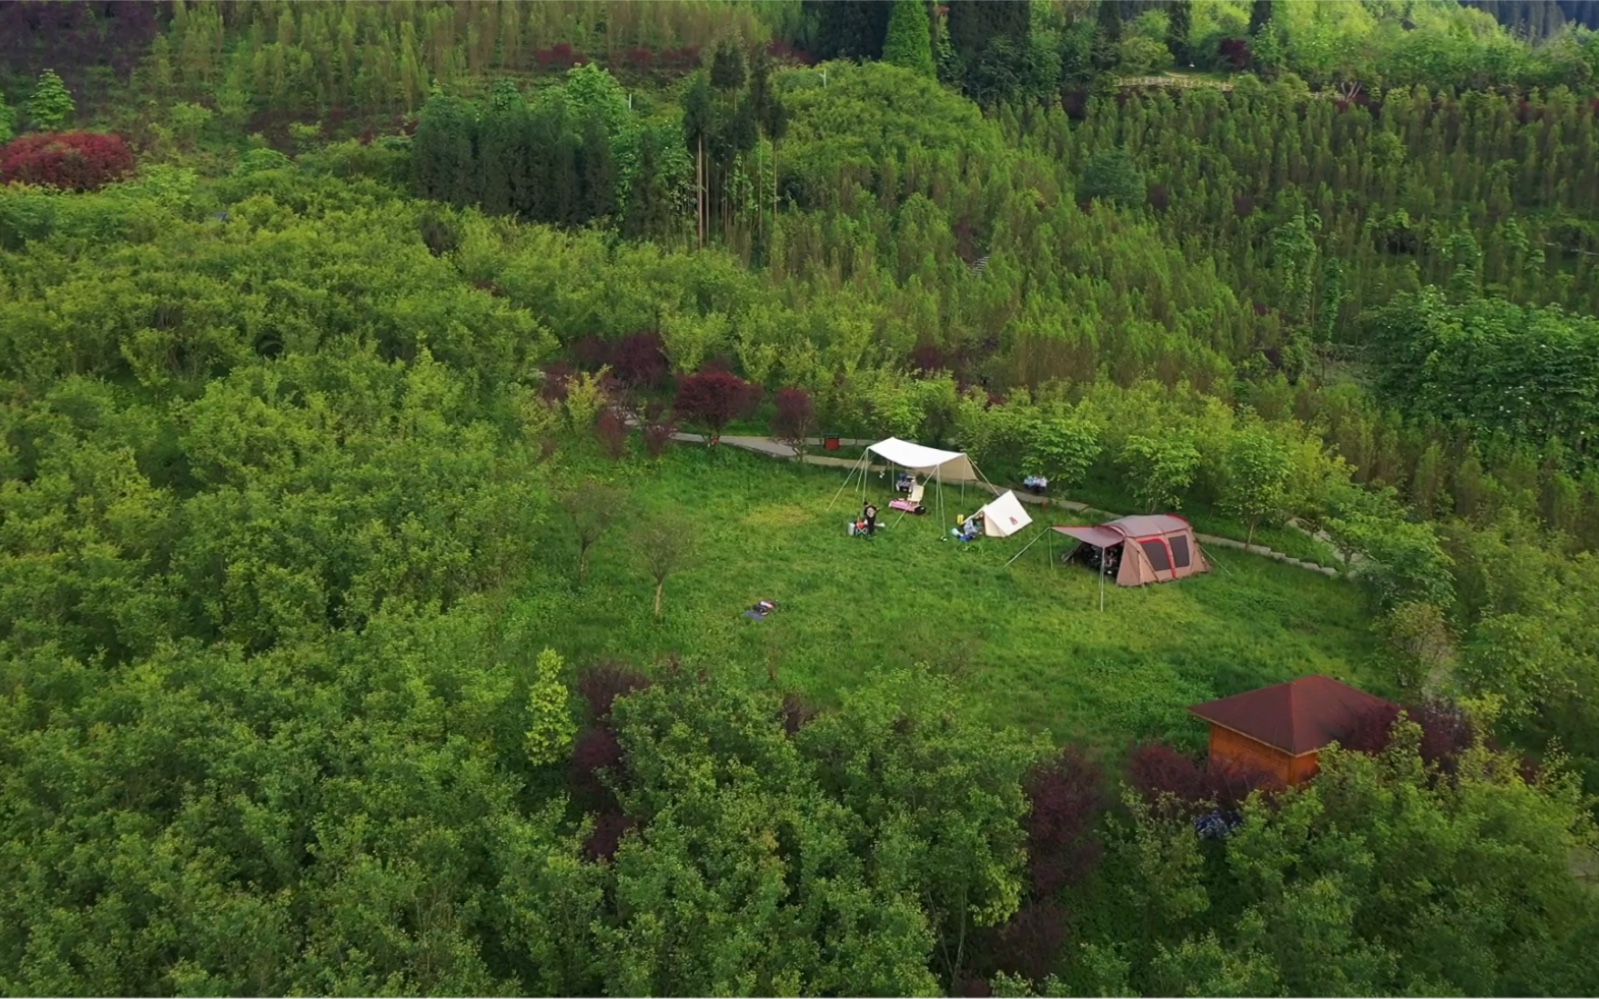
(74, 161)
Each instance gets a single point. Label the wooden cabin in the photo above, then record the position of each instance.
(1282, 729)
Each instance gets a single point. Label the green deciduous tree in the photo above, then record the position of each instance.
(593, 508)
(1062, 449)
(1255, 473)
(1160, 470)
(664, 546)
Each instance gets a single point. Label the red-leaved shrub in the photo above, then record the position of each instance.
(603, 842)
(601, 684)
(1030, 942)
(1446, 732)
(1236, 52)
(74, 161)
(596, 751)
(556, 376)
(1229, 784)
(611, 431)
(657, 435)
(591, 352)
(1156, 768)
(1373, 730)
(1067, 796)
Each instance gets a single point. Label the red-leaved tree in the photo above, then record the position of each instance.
(713, 399)
(639, 360)
(74, 161)
(796, 418)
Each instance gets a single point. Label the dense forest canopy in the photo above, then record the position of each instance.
(334, 336)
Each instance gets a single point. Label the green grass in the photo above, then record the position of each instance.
(1026, 643)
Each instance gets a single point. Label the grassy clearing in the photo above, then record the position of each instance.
(1026, 643)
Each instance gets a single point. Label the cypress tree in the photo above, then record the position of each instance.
(1259, 16)
(910, 37)
(502, 148)
(535, 188)
(443, 163)
(1107, 36)
(975, 24)
(848, 29)
(598, 172)
(727, 68)
(566, 185)
(1179, 24)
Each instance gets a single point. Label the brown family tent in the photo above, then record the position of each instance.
(1156, 548)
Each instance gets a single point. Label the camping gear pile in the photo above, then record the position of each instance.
(760, 610)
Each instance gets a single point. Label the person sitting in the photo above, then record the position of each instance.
(870, 515)
(904, 483)
(1036, 484)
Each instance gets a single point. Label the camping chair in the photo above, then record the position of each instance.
(911, 503)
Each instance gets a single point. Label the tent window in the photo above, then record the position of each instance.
(1156, 550)
(1179, 550)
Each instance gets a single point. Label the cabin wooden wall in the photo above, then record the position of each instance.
(1240, 750)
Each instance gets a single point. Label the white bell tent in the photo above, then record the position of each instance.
(1004, 516)
(928, 462)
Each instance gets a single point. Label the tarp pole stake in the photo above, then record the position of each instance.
(1030, 544)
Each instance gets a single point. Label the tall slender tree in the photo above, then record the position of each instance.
(1179, 23)
(910, 37)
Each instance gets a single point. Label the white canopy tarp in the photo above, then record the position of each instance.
(1004, 516)
(946, 466)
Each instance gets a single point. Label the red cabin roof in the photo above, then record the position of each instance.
(1297, 717)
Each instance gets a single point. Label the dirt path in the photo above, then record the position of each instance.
(784, 452)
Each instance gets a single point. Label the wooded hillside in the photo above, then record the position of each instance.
(341, 349)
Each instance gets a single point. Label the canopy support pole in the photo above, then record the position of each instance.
(847, 479)
(1102, 580)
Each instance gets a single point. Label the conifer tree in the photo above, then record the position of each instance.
(1107, 36)
(501, 149)
(599, 172)
(7, 119)
(1178, 25)
(50, 107)
(910, 38)
(1259, 16)
(727, 68)
(443, 163)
